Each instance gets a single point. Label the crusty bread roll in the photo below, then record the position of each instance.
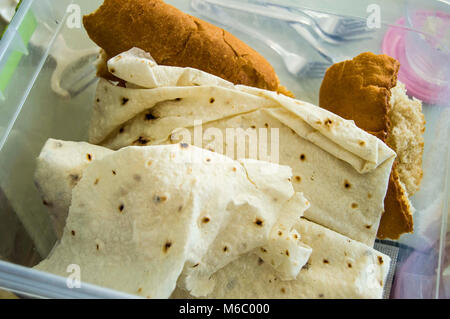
(366, 91)
(177, 39)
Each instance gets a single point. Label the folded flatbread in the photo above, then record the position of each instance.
(143, 218)
(341, 169)
(338, 268)
(59, 167)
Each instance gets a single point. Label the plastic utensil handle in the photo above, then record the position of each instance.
(215, 13)
(314, 43)
(264, 9)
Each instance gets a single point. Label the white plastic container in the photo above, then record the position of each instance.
(31, 112)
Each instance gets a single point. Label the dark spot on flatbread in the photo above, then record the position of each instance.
(260, 261)
(73, 233)
(347, 184)
(48, 204)
(325, 261)
(74, 178)
(141, 141)
(206, 220)
(212, 100)
(259, 222)
(150, 116)
(159, 199)
(380, 260)
(121, 207)
(184, 145)
(89, 157)
(302, 157)
(125, 100)
(225, 249)
(167, 245)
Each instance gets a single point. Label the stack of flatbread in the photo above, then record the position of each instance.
(176, 219)
(293, 207)
(340, 168)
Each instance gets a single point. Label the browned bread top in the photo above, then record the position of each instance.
(177, 39)
(359, 90)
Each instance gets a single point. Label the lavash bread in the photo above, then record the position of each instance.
(143, 218)
(59, 167)
(366, 91)
(338, 268)
(342, 170)
(177, 39)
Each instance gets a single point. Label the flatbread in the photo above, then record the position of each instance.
(142, 218)
(340, 168)
(338, 268)
(59, 167)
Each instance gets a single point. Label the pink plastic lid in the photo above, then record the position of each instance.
(394, 46)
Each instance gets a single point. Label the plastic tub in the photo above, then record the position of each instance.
(32, 112)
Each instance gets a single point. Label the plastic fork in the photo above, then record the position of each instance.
(330, 28)
(330, 55)
(296, 65)
(340, 26)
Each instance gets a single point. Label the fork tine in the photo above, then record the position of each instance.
(343, 31)
(351, 23)
(318, 68)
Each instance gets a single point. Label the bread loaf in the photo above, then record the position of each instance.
(177, 39)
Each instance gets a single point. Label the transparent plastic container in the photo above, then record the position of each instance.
(31, 112)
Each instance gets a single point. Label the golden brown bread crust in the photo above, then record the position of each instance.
(177, 39)
(360, 90)
(398, 219)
